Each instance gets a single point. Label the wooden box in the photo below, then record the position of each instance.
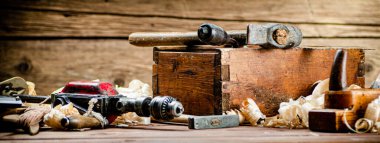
(209, 80)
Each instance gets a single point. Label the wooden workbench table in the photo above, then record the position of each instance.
(178, 133)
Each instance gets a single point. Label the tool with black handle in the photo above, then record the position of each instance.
(256, 36)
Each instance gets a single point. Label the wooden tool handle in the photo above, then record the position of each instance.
(151, 39)
(79, 122)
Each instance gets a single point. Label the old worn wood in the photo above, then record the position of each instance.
(79, 23)
(372, 60)
(356, 99)
(19, 23)
(171, 133)
(269, 76)
(331, 120)
(50, 64)
(294, 11)
(190, 77)
(55, 62)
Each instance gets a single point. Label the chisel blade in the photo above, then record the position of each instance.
(212, 122)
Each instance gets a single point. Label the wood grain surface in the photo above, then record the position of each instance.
(273, 76)
(50, 64)
(20, 23)
(190, 77)
(58, 37)
(296, 11)
(171, 133)
(53, 63)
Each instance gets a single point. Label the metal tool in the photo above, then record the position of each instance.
(9, 102)
(273, 35)
(212, 122)
(215, 35)
(110, 104)
(205, 122)
(256, 36)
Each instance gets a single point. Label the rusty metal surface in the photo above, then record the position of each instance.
(273, 36)
(212, 122)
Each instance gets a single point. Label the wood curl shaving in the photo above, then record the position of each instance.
(292, 114)
(251, 112)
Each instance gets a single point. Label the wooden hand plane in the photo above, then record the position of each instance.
(339, 98)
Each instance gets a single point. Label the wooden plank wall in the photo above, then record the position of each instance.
(53, 42)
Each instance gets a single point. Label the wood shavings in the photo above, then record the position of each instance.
(376, 128)
(371, 118)
(275, 121)
(135, 89)
(236, 112)
(373, 110)
(17, 85)
(251, 111)
(54, 117)
(353, 86)
(31, 88)
(294, 114)
(131, 119)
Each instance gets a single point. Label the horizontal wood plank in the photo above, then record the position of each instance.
(360, 12)
(175, 134)
(20, 23)
(52, 63)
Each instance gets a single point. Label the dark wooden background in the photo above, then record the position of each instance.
(51, 42)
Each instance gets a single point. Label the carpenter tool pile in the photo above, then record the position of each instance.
(80, 105)
(218, 79)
